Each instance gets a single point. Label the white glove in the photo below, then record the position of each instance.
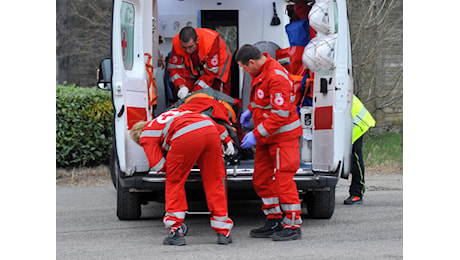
(230, 149)
(182, 93)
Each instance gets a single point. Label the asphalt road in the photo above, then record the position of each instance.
(87, 228)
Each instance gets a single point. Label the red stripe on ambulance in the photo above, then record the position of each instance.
(136, 114)
(323, 118)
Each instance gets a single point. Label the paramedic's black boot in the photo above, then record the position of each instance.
(353, 200)
(224, 240)
(271, 226)
(176, 238)
(287, 234)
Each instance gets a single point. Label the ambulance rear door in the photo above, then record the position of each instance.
(333, 94)
(131, 39)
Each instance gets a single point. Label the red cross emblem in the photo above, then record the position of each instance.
(166, 116)
(124, 43)
(215, 60)
(279, 100)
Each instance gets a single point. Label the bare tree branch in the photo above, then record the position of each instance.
(376, 36)
(83, 38)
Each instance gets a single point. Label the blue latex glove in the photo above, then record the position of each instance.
(245, 118)
(249, 140)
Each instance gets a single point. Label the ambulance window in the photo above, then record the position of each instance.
(127, 34)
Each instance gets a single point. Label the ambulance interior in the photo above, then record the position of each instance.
(280, 28)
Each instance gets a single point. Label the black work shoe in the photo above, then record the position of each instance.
(287, 234)
(353, 199)
(271, 225)
(176, 238)
(223, 240)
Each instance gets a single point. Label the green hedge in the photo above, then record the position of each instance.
(83, 126)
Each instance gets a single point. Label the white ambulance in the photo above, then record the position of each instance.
(135, 60)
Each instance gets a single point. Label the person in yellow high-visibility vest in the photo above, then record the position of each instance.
(362, 121)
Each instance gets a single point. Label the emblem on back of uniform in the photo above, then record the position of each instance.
(166, 116)
(279, 100)
(260, 93)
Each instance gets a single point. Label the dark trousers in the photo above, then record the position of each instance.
(357, 186)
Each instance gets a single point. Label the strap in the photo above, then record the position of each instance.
(151, 85)
(307, 89)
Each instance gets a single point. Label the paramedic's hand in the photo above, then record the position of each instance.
(183, 92)
(249, 140)
(245, 118)
(230, 149)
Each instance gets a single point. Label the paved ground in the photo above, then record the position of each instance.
(87, 228)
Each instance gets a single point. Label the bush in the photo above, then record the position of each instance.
(83, 126)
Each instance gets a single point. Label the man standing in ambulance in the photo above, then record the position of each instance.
(276, 136)
(200, 59)
(173, 142)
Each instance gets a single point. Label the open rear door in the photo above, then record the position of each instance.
(333, 94)
(131, 39)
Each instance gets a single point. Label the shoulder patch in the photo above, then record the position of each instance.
(278, 99)
(260, 93)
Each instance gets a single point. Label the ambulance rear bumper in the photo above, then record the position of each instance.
(237, 179)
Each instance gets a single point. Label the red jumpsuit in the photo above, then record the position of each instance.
(277, 130)
(187, 137)
(208, 67)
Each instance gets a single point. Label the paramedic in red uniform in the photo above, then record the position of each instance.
(173, 142)
(276, 136)
(200, 59)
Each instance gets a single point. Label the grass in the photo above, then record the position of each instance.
(83, 176)
(383, 151)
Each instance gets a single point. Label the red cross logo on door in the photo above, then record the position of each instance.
(124, 43)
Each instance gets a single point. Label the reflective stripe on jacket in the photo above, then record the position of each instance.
(272, 104)
(158, 133)
(362, 119)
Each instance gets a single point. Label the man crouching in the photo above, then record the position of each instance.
(187, 138)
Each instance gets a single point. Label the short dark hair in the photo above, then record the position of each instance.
(248, 52)
(187, 33)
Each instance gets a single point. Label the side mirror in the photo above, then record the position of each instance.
(104, 74)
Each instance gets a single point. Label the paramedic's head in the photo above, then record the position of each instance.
(136, 131)
(188, 39)
(249, 58)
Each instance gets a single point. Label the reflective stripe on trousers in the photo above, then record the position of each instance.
(221, 225)
(173, 220)
(271, 207)
(292, 218)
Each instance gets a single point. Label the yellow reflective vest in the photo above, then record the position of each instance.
(362, 119)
